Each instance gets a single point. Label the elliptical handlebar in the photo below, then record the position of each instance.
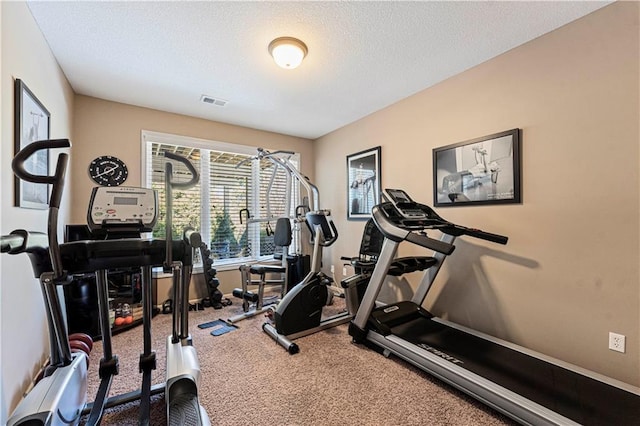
(57, 180)
(195, 176)
(192, 238)
(57, 183)
(169, 184)
(21, 241)
(12, 243)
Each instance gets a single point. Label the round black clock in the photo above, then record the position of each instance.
(107, 170)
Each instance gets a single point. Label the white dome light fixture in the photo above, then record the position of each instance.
(288, 52)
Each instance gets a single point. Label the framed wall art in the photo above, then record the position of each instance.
(480, 171)
(363, 190)
(31, 124)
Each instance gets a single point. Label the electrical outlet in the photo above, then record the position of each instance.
(617, 342)
(333, 269)
(344, 271)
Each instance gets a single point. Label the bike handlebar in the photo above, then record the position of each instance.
(334, 235)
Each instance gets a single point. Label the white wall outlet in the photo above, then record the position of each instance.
(344, 271)
(617, 342)
(333, 269)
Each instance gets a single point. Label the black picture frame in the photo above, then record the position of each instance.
(32, 123)
(363, 186)
(479, 171)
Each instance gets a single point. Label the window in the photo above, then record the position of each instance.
(233, 188)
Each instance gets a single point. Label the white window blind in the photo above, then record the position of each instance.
(225, 197)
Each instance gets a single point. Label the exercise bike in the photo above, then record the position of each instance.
(299, 313)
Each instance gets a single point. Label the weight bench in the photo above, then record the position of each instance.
(254, 303)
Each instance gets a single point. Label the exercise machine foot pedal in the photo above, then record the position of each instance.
(184, 410)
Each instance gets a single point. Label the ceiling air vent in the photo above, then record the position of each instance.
(213, 101)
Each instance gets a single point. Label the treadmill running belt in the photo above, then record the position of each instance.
(577, 397)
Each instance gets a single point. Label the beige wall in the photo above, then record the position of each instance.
(25, 55)
(570, 272)
(109, 128)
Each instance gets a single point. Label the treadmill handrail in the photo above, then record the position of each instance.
(430, 243)
(458, 230)
(394, 232)
(401, 228)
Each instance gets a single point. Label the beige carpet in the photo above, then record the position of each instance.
(248, 379)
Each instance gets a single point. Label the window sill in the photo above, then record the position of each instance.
(231, 266)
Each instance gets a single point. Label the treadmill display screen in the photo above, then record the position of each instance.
(398, 196)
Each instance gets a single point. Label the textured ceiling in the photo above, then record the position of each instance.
(363, 56)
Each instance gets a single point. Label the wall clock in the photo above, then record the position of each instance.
(107, 170)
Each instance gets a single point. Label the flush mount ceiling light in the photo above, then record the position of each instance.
(288, 52)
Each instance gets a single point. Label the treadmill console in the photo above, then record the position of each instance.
(123, 206)
(404, 205)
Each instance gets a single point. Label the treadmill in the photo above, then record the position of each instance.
(529, 387)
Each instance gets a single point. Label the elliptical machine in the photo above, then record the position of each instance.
(123, 213)
(60, 396)
(183, 367)
(120, 214)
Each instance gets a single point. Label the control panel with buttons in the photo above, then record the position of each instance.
(123, 205)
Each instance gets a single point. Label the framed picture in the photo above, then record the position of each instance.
(480, 171)
(31, 124)
(363, 191)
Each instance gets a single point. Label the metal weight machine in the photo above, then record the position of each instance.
(285, 235)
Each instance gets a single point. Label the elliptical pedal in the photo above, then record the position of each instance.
(184, 409)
